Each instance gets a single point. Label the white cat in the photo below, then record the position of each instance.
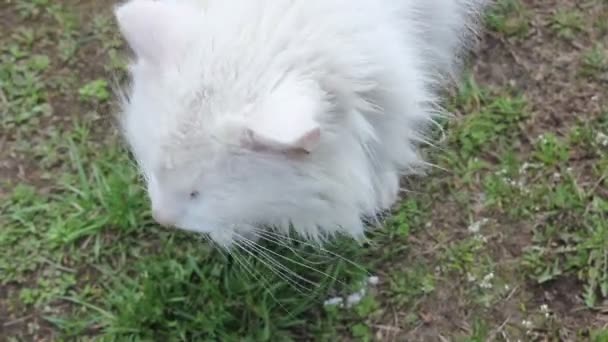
(247, 116)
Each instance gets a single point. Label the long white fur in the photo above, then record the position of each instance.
(363, 72)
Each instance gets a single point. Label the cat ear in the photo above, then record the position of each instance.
(287, 123)
(301, 141)
(155, 30)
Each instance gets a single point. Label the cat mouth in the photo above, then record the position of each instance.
(203, 229)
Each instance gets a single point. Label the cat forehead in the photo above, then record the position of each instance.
(175, 176)
(185, 153)
(178, 176)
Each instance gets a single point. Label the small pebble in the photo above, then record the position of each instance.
(334, 301)
(355, 298)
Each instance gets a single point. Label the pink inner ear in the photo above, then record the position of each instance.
(306, 143)
(309, 140)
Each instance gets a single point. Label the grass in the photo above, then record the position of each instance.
(509, 17)
(506, 240)
(93, 229)
(595, 62)
(566, 23)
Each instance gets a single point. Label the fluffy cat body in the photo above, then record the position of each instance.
(285, 115)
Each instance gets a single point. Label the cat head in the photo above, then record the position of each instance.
(232, 152)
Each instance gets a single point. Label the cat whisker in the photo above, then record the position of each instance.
(317, 246)
(290, 277)
(259, 248)
(251, 270)
(283, 244)
(276, 267)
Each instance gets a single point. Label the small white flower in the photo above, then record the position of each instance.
(527, 324)
(355, 298)
(545, 310)
(480, 238)
(471, 278)
(486, 282)
(602, 139)
(476, 226)
(373, 280)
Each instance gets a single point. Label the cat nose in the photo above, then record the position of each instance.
(162, 217)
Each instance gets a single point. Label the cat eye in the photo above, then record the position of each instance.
(194, 195)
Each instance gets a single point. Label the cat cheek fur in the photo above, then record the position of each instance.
(351, 83)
